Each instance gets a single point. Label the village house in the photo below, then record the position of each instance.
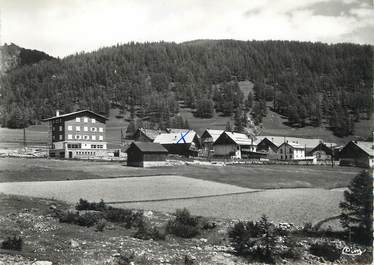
(146, 154)
(185, 143)
(146, 135)
(208, 138)
(324, 151)
(357, 153)
(79, 134)
(291, 151)
(233, 145)
(267, 147)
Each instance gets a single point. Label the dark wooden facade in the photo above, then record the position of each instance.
(143, 154)
(353, 155)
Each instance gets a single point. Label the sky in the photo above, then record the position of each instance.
(64, 27)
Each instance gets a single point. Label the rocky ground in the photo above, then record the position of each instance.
(47, 241)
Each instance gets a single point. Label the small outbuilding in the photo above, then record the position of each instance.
(357, 153)
(145, 154)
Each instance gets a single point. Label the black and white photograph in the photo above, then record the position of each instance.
(186, 132)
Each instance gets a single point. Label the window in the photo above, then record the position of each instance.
(93, 129)
(281, 157)
(93, 145)
(85, 119)
(85, 128)
(93, 121)
(60, 128)
(285, 157)
(70, 136)
(77, 136)
(78, 128)
(101, 129)
(290, 150)
(70, 128)
(281, 151)
(100, 137)
(60, 137)
(290, 156)
(77, 119)
(93, 137)
(86, 137)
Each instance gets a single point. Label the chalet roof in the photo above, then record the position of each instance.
(367, 147)
(150, 133)
(214, 133)
(305, 142)
(294, 145)
(174, 138)
(239, 138)
(148, 147)
(74, 113)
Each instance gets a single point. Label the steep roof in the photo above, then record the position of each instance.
(294, 145)
(174, 138)
(148, 147)
(74, 113)
(150, 133)
(238, 138)
(214, 133)
(367, 147)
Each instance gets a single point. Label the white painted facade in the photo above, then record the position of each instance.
(291, 151)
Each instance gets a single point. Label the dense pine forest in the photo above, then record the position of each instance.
(309, 83)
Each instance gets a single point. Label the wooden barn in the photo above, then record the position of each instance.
(357, 153)
(145, 154)
(267, 147)
(185, 143)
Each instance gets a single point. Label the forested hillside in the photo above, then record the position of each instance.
(309, 83)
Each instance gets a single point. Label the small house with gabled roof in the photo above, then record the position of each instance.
(145, 154)
(146, 135)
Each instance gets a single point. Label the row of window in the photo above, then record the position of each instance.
(85, 137)
(290, 151)
(79, 146)
(85, 128)
(85, 119)
(86, 153)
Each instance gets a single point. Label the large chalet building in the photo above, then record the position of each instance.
(79, 134)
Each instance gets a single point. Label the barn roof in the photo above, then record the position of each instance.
(367, 147)
(150, 133)
(294, 145)
(74, 113)
(173, 138)
(214, 133)
(148, 147)
(238, 138)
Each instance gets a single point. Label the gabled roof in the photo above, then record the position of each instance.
(213, 133)
(305, 142)
(174, 138)
(75, 113)
(294, 145)
(148, 147)
(238, 138)
(150, 133)
(367, 147)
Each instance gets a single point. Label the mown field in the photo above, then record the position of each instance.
(255, 176)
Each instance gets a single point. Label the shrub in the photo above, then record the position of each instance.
(184, 225)
(129, 217)
(327, 250)
(292, 251)
(12, 243)
(100, 225)
(87, 219)
(126, 258)
(146, 231)
(69, 217)
(85, 205)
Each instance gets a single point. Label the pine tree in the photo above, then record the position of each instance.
(238, 119)
(228, 127)
(357, 208)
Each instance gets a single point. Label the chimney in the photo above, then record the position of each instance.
(57, 113)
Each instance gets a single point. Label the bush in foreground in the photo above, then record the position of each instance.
(146, 231)
(327, 250)
(12, 243)
(93, 206)
(262, 241)
(184, 225)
